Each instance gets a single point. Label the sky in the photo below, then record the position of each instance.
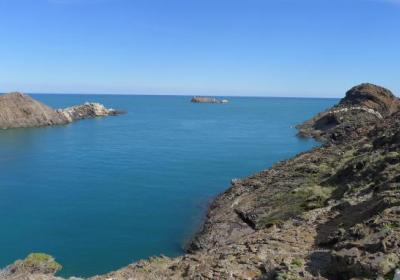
(304, 48)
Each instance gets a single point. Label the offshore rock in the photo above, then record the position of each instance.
(87, 110)
(213, 100)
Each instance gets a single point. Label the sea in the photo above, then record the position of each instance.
(101, 193)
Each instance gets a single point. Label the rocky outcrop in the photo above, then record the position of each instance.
(87, 110)
(213, 100)
(35, 266)
(20, 110)
(362, 106)
(329, 213)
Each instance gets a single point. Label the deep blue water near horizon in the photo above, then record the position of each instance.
(101, 193)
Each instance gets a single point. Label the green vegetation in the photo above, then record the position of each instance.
(313, 196)
(270, 221)
(41, 259)
(288, 275)
(293, 271)
(38, 257)
(288, 205)
(298, 263)
(390, 275)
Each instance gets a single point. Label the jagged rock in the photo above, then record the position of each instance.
(20, 110)
(87, 110)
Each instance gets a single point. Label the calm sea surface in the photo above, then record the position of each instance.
(99, 194)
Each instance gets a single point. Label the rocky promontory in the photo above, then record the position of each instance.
(362, 106)
(18, 110)
(329, 213)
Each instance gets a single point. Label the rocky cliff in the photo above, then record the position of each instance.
(21, 110)
(329, 213)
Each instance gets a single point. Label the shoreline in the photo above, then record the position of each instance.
(316, 215)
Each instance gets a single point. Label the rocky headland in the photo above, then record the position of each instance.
(18, 110)
(329, 213)
(363, 105)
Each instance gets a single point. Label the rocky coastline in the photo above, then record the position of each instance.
(18, 110)
(329, 213)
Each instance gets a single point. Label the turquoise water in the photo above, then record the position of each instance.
(99, 194)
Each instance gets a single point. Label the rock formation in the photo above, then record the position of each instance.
(21, 110)
(213, 100)
(329, 213)
(363, 105)
(35, 266)
(87, 110)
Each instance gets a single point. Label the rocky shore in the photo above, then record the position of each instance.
(18, 110)
(329, 213)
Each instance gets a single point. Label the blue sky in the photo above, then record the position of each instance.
(211, 47)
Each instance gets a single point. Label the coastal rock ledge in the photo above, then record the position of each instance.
(18, 110)
(329, 213)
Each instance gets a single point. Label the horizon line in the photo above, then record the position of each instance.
(177, 95)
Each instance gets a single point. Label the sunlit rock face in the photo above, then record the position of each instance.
(21, 110)
(87, 110)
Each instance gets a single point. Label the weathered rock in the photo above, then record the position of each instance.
(87, 110)
(20, 110)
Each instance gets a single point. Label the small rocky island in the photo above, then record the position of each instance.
(18, 110)
(329, 213)
(212, 100)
